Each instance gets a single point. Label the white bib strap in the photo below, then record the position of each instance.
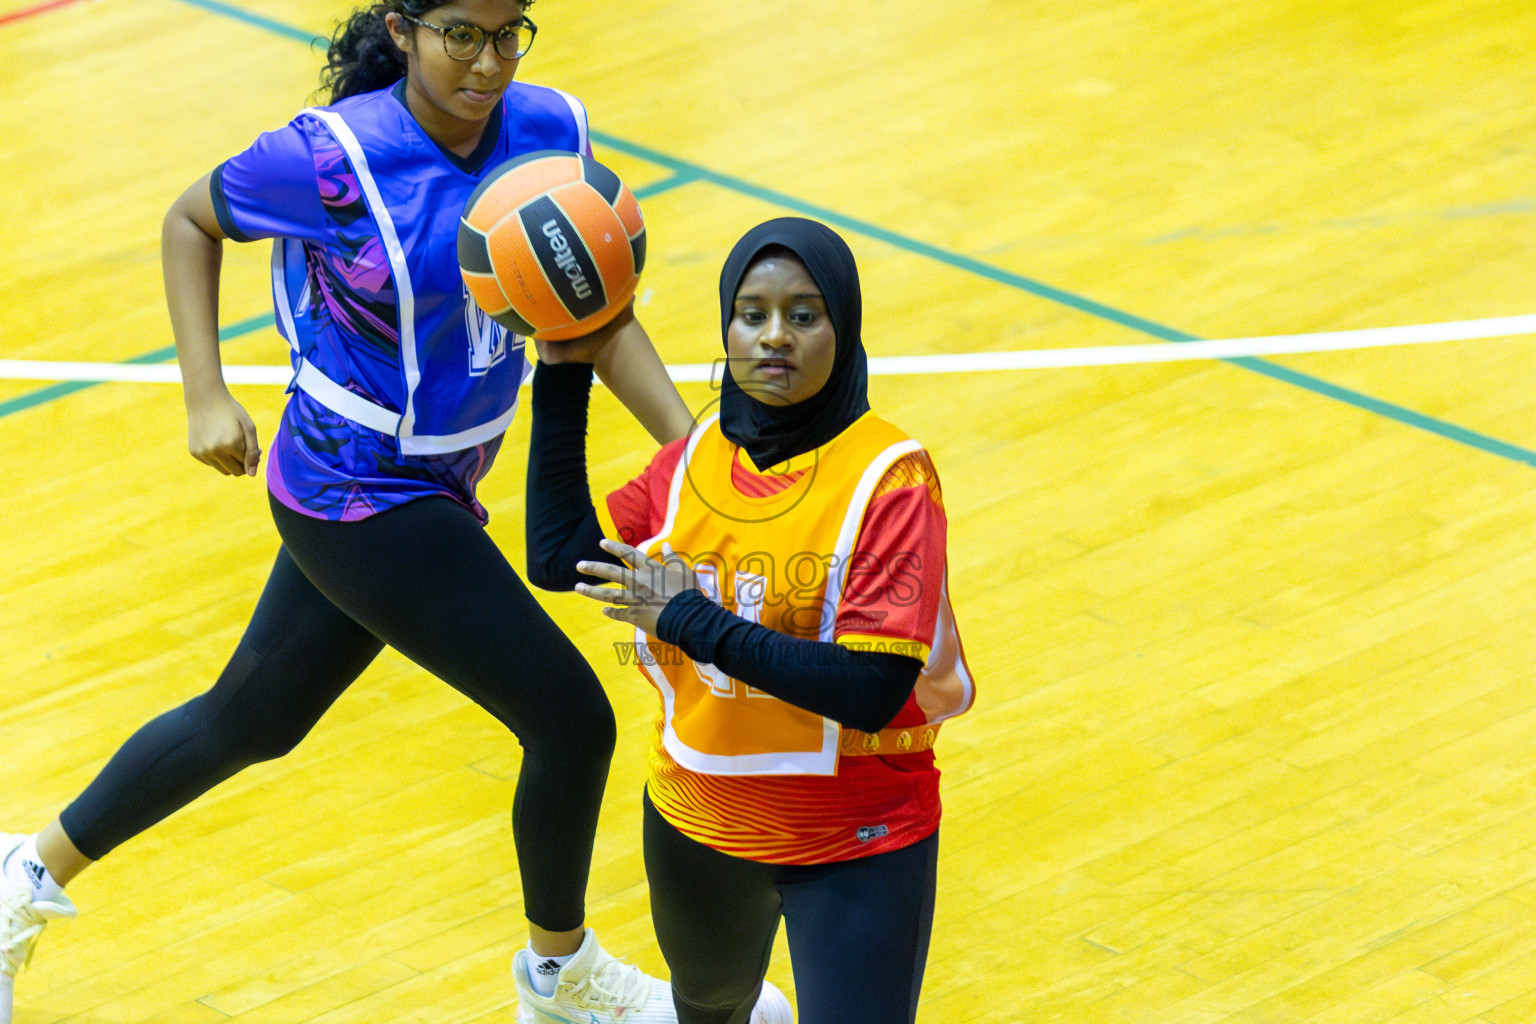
(345, 403)
(579, 113)
(853, 519)
(405, 296)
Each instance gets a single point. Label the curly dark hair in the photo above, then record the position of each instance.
(362, 55)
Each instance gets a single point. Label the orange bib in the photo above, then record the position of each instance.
(780, 561)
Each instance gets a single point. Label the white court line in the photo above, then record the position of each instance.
(964, 362)
(133, 373)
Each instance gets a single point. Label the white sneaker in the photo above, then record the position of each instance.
(595, 987)
(772, 1006)
(21, 922)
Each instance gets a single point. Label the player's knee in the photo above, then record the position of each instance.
(586, 731)
(585, 715)
(251, 742)
(271, 744)
(601, 729)
(241, 735)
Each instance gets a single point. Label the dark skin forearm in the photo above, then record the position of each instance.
(220, 433)
(625, 360)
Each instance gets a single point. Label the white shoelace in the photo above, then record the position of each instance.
(19, 927)
(613, 983)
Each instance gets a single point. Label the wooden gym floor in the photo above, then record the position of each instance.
(1256, 739)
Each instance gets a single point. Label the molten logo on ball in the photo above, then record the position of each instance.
(566, 260)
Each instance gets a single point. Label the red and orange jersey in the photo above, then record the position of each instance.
(844, 544)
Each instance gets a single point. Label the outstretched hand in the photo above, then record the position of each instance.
(645, 585)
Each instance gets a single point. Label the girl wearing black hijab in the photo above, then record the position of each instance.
(784, 569)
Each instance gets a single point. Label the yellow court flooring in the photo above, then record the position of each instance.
(1256, 736)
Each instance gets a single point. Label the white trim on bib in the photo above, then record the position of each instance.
(313, 382)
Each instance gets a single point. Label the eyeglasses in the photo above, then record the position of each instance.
(464, 42)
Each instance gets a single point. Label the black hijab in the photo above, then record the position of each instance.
(772, 433)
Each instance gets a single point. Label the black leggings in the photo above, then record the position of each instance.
(858, 929)
(427, 580)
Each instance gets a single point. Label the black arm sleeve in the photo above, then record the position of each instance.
(858, 689)
(561, 527)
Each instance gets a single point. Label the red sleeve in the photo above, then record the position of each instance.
(636, 511)
(896, 572)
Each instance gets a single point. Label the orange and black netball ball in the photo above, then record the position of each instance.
(551, 245)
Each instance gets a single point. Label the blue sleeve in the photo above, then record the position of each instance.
(539, 117)
(270, 191)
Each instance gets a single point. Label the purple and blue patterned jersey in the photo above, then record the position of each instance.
(403, 387)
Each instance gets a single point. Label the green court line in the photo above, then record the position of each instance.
(1274, 371)
(694, 172)
(1449, 431)
(32, 399)
(677, 180)
(684, 172)
(257, 21)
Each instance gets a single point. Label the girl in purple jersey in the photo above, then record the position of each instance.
(402, 391)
